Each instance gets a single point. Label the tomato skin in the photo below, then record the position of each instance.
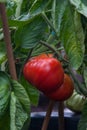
(44, 72)
(63, 92)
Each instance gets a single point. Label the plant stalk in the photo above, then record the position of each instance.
(48, 22)
(61, 116)
(48, 114)
(54, 50)
(81, 88)
(7, 39)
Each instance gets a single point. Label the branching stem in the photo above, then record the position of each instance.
(54, 50)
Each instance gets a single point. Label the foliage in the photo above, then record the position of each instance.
(60, 24)
(83, 122)
(3, 0)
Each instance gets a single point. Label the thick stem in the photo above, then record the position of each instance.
(7, 39)
(61, 116)
(48, 114)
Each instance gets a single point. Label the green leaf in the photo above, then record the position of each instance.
(85, 76)
(80, 6)
(5, 87)
(68, 25)
(22, 95)
(25, 6)
(2, 52)
(21, 20)
(58, 8)
(5, 121)
(39, 6)
(3, 0)
(17, 114)
(83, 120)
(11, 6)
(33, 93)
(29, 35)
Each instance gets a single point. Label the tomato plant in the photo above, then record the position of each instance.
(64, 91)
(44, 72)
(36, 27)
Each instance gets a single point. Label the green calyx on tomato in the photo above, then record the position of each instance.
(64, 91)
(44, 72)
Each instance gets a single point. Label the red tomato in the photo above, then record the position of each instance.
(63, 92)
(44, 72)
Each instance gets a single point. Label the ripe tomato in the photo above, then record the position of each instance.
(63, 92)
(44, 72)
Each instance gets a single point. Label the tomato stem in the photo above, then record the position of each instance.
(7, 39)
(80, 89)
(54, 50)
(61, 115)
(49, 23)
(48, 114)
